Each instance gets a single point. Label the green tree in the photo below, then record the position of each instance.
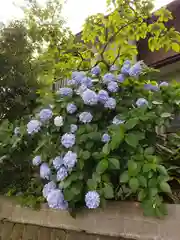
(112, 38)
(18, 77)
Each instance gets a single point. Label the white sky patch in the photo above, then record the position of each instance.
(75, 11)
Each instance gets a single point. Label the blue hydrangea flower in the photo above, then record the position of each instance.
(48, 188)
(96, 70)
(57, 162)
(17, 131)
(33, 126)
(68, 140)
(103, 96)
(81, 89)
(64, 92)
(71, 108)
(78, 77)
(108, 77)
(36, 161)
(113, 68)
(45, 115)
(126, 67)
(85, 117)
(62, 173)
(110, 103)
(164, 84)
(71, 82)
(151, 87)
(113, 87)
(141, 102)
(117, 121)
(87, 81)
(120, 78)
(136, 69)
(70, 159)
(45, 171)
(89, 97)
(56, 200)
(92, 199)
(105, 138)
(73, 128)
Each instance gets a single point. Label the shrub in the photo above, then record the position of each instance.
(100, 139)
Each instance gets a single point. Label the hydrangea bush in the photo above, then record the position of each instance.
(99, 139)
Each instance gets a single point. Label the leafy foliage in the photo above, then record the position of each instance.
(18, 78)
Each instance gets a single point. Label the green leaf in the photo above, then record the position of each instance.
(153, 191)
(124, 178)
(81, 130)
(165, 115)
(131, 123)
(94, 136)
(141, 195)
(68, 194)
(132, 140)
(164, 186)
(114, 163)
(108, 191)
(134, 184)
(142, 181)
(162, 170)
(147, 167)
(132, 167)
(106, 149)
(85, 155)
(102, 166)
(149, 151)
(175, 47)
(92, 184)
(96, 177)
(117, 137)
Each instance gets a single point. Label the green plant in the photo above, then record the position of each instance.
(129, 164)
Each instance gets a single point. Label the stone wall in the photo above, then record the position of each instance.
(119, 219)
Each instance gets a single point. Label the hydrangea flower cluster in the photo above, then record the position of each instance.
(71, 108)
(45, 115)
(66, 160)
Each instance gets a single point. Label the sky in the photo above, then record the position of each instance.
(75, 11)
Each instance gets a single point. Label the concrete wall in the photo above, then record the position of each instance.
(118, 219)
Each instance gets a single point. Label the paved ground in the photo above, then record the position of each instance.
(16, 231)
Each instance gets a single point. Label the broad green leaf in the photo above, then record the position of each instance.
(124, 178)
(102, 166)
(134, 184)
(85, 155)
(92, 184)
(162, 169)
(117, 137)
(165, 115)
(149, 151)
(106, 149)
(68, 194)
(131, 123)
(114, 163)
(164, 186)
(108, 191)
(96, 177)
(175, 47)
(142, 181)
(132, 167)
(141, 195)
(132, 140)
